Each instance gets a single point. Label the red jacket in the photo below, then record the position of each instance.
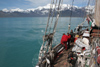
(64, 39)
(69, 36)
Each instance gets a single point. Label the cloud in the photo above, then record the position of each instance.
(27, 4)
(37, 3)
(76, 2)
(13, 10)
(17, 9)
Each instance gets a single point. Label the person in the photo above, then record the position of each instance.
(89, 20)
(69, 38)
(72, 36)
(76, 37)
(64, 40)
(79, 29)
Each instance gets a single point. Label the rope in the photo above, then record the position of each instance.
(55, 25)
(53, 16)
(42, 47)
(96, 42)
(70, 17)
(84, 11)
(88, 2)
(81, 10)
(48, 43)
(84, 15)
(49, 16)
(54, 29)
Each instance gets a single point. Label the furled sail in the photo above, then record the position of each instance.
(97, 13)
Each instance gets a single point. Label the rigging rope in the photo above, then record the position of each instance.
(88, 2)
(48, 42)
(85, 12)
(44, 47)
(53, 16)
(95, 42)
(84, 20)
(70, 17)
(81, 10)
(58, 12)
(84, 15)
(49, 16)
(55, 25)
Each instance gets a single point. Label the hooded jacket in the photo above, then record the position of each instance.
(64, 39)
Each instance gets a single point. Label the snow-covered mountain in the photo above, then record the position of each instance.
(44, 10)
(90, 9)
(63, 7)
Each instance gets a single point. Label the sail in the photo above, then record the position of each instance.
(97, 13)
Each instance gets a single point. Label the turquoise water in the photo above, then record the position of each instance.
(21, 38)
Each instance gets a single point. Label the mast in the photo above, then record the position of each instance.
(97, 13)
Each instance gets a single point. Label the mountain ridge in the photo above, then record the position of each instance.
(42, 11)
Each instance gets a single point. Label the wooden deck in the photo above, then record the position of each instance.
(61, 60)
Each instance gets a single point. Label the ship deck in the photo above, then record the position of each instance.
(61, 60)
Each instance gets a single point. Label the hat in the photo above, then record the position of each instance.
(76, 36)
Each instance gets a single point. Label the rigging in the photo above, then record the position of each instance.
(48, 37)
(70, 16)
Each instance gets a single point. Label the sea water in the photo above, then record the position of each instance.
(21, 38)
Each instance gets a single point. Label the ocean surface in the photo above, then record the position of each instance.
(21, 38)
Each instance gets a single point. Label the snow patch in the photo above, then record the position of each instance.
(45, 11)
(90, 9)
(17, 9)
(45, 7)
(29, 10)
(5, 10)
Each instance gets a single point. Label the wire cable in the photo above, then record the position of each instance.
(70, 16)
(49, 16)
(53, 15)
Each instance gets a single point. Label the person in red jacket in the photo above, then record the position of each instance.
(64, 40)
(69, 39)
(69, 36)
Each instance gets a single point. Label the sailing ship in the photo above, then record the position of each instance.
(85, 51)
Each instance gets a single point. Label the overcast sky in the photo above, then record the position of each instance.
(27, 4)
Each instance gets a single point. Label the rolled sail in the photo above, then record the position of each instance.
(97, 13)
